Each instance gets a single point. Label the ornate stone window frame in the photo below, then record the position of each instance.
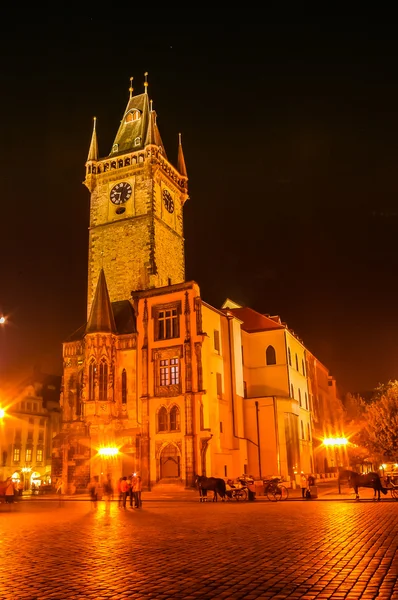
(169, 353)
(159, 308)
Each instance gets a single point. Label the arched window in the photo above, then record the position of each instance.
(299, 391)
(133, 115)
(306, 401)
(296, 362)
(137, 141)
(292, 388)
(302, 364)
(103, 380)
(124, 387)
(289, 355)
(270, 355)
(115, 147)
(175, 419)
(302, 430)
(91, 380)
(162, 419)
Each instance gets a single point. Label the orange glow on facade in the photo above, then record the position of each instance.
(335, 441)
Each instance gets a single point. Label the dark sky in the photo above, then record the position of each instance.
(290, 135)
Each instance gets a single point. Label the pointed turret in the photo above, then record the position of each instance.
(180, 160)
(153, 133)
(101, 315)
(93, 151)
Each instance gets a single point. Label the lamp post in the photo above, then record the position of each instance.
(340, 442)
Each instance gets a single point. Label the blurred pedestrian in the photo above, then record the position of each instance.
(137, 489)
(124, 488)
(303, 484)
(93, 492)
(108, 488)
(119, 492)
(10, 491)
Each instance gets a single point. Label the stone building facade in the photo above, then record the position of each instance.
(156, 381)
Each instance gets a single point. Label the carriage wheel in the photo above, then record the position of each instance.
(241, 495)
(284, 492)
(394, 494)
(273, 493)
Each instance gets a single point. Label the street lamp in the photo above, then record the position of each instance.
(339, 442)
(2, 413)
(2, 320)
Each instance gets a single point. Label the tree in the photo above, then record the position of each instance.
(381, 428)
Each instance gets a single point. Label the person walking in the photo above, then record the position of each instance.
(303, 484)
(119, 492)
(93, 491)
(137, 489)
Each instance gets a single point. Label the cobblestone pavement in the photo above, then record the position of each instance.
(198, 551)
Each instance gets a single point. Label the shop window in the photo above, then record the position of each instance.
(175, 419)
(17, 455)
(124, 387)
(270, 355)
(103, 380)
(162, 419)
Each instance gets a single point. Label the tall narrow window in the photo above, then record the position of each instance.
(39, 455)
(219, 385)
(289, 355)
(270, 355)
(28, 455)
(17, 454)
(303, 367)
(162, 419)
(174, 418)
(201, 417)
(306, 401)
(309, 431)
(103, 381)
(243, 358)
(292, 389)
(124, 387)
(302, 430)
(220, 426)
(91, 380)
(297, 363)
(169, 371)
(217, 341)
(245, 389)
(299, 392)
(174, 371)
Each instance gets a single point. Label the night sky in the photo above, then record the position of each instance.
(290, 134)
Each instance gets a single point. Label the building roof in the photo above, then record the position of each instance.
(252, 320)
(101, 316)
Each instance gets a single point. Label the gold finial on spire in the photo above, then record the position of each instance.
(146, 81)
(179, 139)
(151, 103)
(131, 89)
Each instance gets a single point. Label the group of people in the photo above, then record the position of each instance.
(130, 488)
(12, 490)
(306, 482)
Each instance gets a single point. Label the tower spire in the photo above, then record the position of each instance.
(146, 82)
(101, 315)
(93, 151)
(181, 161)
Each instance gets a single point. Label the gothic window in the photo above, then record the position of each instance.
(94, 170)
(289, 355)
(133, 115)
(175, 419)
(103, 380)
(303, 367)
(124, 386)
(299, 392)
(297, 363)
(113, 164)
(17, 454)
(167, 371)
(302, 430)
(91, 380)
(120, 164)
(127, 162)
(162, 419)
(270, 355)
(137, 141)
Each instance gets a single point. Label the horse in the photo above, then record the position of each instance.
(214, 484)
(368, 480)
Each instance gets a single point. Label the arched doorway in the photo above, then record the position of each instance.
(170, 462)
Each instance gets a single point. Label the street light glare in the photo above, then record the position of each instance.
(2, 320)
(2, 413)
(335, 442)
(108, 451)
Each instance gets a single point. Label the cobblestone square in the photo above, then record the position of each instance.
(199, 551)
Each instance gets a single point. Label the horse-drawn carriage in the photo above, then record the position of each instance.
(231, 490)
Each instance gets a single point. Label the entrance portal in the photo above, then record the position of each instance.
(170, 462)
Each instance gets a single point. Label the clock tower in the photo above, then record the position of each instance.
(136, 207)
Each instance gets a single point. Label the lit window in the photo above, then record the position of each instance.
(103, 381)
(162, 419)
(133, 115)
(28, 455)
(270, 355)
(137, 141)
(17, 454)
(124, 386)
(115, 147)
(169, 372)
(167, 324)
(174, 419)
(39, 455)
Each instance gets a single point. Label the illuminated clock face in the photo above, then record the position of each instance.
(120, 193)
(168, 201)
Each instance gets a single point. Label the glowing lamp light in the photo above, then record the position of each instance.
(335, 441)
(2, 320)
(383, 467)
(108, 451)
(2, 413)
